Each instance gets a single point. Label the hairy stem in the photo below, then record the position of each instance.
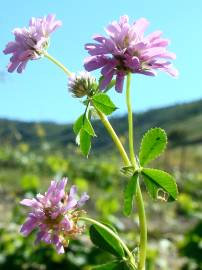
(60, 65)
(139, 199)
(101, 225)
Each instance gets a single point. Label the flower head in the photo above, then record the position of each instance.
(81, 84)
(30, 42)
(128, 50)
(55, 214)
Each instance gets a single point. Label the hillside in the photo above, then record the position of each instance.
(183, 124)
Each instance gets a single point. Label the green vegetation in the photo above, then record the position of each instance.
(181, 122)
(33, 153)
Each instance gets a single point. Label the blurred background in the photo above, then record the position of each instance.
(37, 142)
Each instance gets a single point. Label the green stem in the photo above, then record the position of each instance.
(139, 199)
(130, 122)
(143, 229)
(101, 225)
(60, 65)
(115, 138)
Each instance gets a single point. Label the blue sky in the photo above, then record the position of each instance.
(40, 93)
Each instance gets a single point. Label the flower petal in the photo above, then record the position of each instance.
(84, 197)
(95, 62)
(28, 226)
(119, 82)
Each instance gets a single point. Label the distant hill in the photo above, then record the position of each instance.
(183, 124)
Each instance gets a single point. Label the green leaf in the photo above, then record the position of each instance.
(116, 265)
(83, 122)
(103, 103)
(152, 145)
(88, 127)
(129, 194)
(104, 240)
(160, 184)
(78, 124)
(152, 187)
(85, 142)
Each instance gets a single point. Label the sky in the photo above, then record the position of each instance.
(40, 93)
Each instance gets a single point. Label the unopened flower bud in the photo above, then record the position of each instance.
(82, 84)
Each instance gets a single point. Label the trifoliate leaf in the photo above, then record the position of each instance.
(104, 240)
(83, 122)
(160, 184)
(103, 103)
(152, 145)
(129, 194)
